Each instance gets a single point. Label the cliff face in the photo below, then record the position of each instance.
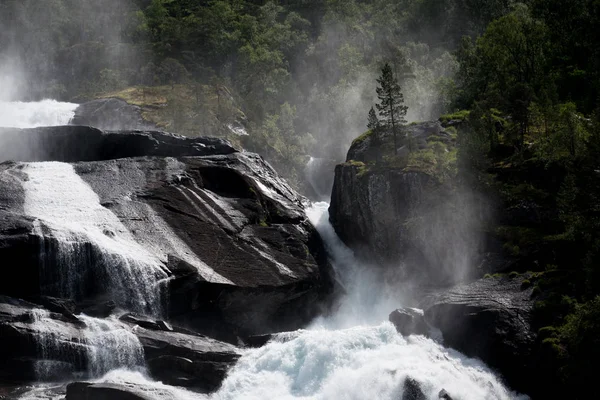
(401, 215)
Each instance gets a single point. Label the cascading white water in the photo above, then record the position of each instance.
(105, 343)
(34, 114)
(89, 235)
(111, 346)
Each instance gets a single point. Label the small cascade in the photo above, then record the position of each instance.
(34, 114)
(86, 244)
(101, 346)
(111, 346)
(50, 348)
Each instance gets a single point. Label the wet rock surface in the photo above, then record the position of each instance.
(409, 321)
(232, 236)
(83, 143)
(489, 319)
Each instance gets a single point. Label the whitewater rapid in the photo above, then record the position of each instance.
(35, 114)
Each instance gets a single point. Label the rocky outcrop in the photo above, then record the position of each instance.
(34, 337)
(412, 390)
(82, 143)
(409, 321)
(103, 391)
(225, 234)
(403, 217)
(489, 319)
(111, 114)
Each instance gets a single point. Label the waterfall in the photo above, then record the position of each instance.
(111, 346)
(318, 172)
(30, 115)
(105, 345)
(90, 241)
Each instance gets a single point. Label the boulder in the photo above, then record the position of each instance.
(489, 319)
(83, 143)
(412, 390)
(409, 321)
(110, 114)
(230, 239)
(104, 391)
(188, 360)
(444, 395)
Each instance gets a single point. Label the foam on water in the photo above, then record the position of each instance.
(365, 362)
(71, 210)
(34, 114)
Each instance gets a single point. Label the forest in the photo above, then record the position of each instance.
(519, 81)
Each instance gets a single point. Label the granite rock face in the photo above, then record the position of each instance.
(489, 319)
(406, 218)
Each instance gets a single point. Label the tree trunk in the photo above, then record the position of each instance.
(394, 131)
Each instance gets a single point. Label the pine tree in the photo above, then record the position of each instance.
(373, 125)
(391, 109)
(373, 121)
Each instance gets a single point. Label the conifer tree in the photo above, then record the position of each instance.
(373, 121)
(391, 109)
(373, 125)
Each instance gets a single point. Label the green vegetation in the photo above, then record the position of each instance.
(362, 137)
(461, 115)
(298, 76)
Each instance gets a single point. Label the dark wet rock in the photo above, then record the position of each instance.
(258, 340)
(489, 319)
(104, 391)
(99, 309)
(146, 322)
(412, 390)
(82, 143)
(444, 395)
(242, 257)
(187, 360)
(111, 114)
(409, 321)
